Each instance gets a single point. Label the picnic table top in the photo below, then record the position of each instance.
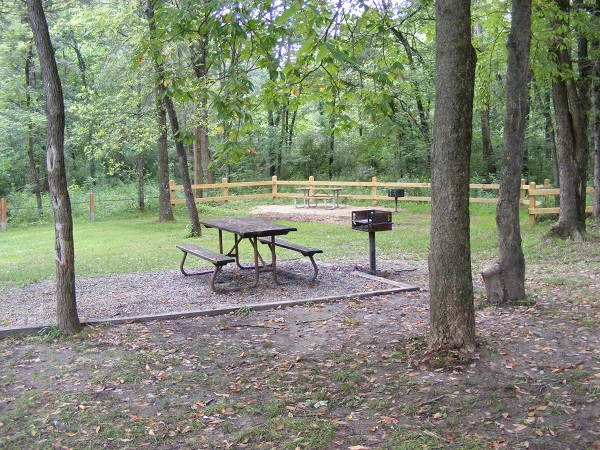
(247, 227)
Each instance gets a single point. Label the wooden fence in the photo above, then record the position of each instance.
(537, 207)
(374, 191)
(536, 198)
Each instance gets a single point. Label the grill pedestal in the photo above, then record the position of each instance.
(395, 193)
(372, 221)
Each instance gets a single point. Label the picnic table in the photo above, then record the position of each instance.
(311, 196)
(256, 231)
(250, 228)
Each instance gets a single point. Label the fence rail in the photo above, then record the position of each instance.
(536, 198)
(220, 192)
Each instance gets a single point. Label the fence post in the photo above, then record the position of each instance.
(531, 203)
(546, 186)
(2, 214)
(374, 191)
(172, 193)
(92, 207)
(274, 188)
(224, 190)
(522, 191)
(311, 185)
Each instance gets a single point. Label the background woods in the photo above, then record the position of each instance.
(333, 91)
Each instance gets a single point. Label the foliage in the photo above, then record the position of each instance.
(292, 88)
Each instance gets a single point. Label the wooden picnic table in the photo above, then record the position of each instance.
(315, 194)
(252, 229)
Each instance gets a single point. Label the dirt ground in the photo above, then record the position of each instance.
(352, 374)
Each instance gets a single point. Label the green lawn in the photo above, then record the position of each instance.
(137, 242)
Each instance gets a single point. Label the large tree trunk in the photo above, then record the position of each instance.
(66, 306)
(452, 313)
(571, 112)
(511, 262)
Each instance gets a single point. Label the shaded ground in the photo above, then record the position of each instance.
(352, 374)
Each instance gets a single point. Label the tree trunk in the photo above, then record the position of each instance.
(66, 306)
(572, 141)
(164, 199)
(486, 142)
(183, 167)
(511, 261)
(140, 172)
(452, 313)
(202, 157)
(596, 134)
(34, 179)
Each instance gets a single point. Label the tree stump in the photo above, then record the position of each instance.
(495, 289)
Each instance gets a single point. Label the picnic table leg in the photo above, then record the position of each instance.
(189, 274)
(254, 242)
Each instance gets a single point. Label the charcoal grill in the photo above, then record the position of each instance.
(372, 221)
(395, 193)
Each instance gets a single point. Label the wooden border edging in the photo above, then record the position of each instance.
(7, 332)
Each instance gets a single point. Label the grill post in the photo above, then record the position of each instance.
(372, 259)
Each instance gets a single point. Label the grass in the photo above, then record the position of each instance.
(136, 242)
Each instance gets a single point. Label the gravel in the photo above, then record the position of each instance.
(168, 291)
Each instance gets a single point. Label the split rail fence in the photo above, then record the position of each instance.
(538, 199)
(533, 196)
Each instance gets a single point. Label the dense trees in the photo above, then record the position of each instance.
(295, 89)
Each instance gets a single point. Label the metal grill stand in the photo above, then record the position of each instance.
(395, 193)
(372, 221)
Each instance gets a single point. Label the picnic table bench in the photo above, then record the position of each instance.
(219, 260)
(302, 249)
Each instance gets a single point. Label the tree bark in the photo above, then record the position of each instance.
(511, 260)
(452, 313)
(165, 213)
(596, 134)
(202, 156)
(66, 306)
(572, 140)
(34, 179)
(486, 141)
(190, 201)
(164, 199)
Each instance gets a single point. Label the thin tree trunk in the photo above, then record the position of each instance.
(452, 313)
(596, 134)
(164, 200)
(66, 305)
(183, 164)
(511, 262)
(34, 179)
(486, 141)
(183, 168)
